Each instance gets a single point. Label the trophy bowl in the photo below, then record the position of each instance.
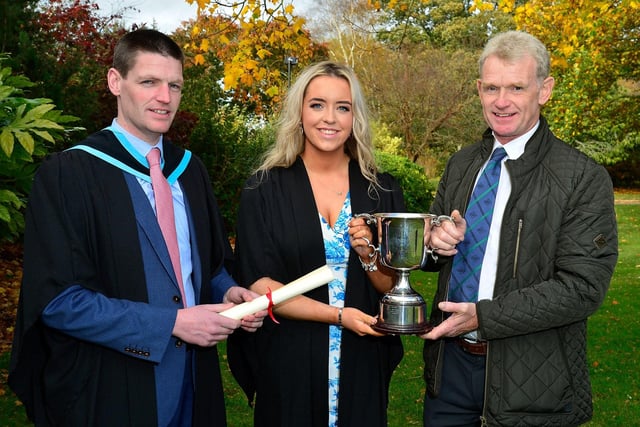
(401, 248)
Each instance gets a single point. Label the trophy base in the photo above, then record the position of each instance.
(403, 312)
(390, 329)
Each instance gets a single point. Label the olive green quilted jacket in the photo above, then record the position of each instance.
(558, 250)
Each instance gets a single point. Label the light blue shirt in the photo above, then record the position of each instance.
(179, 210)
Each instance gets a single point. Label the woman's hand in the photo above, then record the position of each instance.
(359, 322)
(360, 237)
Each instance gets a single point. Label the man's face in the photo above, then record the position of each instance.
(148, 98)
(511, 96)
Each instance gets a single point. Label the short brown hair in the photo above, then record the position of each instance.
(143, 40)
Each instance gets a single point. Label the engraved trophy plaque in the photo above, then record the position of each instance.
(401, 247)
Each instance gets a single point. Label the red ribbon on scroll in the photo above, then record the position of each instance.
(270, 306)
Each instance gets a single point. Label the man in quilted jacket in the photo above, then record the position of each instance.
(515, 354)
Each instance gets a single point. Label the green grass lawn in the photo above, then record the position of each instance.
(613, 352)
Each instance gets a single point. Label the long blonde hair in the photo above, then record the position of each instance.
(290, 137)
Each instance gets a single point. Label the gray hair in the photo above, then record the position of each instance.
(514, 45)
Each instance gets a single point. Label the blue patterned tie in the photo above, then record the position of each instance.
(465, 274)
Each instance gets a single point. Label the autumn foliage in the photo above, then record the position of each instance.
(10, 278)
(253, 39)
(595, 56)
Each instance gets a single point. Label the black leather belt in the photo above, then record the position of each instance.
(478, 348)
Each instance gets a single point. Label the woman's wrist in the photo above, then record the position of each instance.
(370, 264)
(339, 311)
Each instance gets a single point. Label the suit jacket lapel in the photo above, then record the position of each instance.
(149, 225)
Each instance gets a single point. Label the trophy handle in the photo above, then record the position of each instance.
(436, 221)
(371, 220)
(425, 256)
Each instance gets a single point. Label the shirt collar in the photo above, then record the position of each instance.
(142, 147)
(515, 148)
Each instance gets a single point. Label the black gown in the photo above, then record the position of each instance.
(89, 237)
(279, 236)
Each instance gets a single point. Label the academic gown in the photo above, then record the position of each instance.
(81, 229)
(279, 236)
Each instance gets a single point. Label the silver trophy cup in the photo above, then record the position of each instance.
(401, 248)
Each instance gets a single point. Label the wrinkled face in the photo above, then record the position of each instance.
(148, 98)
(511, 96)
(327, 114)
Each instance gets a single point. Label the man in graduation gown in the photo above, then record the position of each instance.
(104, 333)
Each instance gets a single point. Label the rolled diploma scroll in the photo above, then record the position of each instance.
(315, 279)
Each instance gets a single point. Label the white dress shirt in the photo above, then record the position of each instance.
(514, 149)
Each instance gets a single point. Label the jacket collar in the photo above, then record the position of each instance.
(535, 151)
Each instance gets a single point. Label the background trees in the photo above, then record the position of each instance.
(65, 49)
(423, 95)
(415, 58)
(595, 57)
(252, 39)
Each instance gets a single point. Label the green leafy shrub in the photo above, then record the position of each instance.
(230, 143)
(418, 190)
(28, 130)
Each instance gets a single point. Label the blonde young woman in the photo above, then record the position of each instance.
(322, 364)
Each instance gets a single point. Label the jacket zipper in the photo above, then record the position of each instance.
(483, 417)
(441, 347)
(517, 251)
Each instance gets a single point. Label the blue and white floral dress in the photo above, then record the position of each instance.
(336, 248)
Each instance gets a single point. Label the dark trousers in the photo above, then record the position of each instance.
(461, 392)
(184, 413)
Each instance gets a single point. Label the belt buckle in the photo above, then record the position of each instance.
(477, 348)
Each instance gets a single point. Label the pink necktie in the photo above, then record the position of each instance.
(164, 213)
